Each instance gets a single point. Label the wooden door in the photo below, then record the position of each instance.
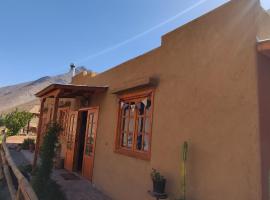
(89, 143)
(71, 136)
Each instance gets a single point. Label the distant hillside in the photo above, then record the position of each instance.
(23, 95)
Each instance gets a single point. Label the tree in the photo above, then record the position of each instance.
(16, 120)
(2, 121)
(44, 186)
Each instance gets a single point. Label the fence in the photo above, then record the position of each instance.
(25, 190)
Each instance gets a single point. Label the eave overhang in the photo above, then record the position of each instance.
(263, 47)
(69, 90)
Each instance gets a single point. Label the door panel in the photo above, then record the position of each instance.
(71, 136)
(90, 142)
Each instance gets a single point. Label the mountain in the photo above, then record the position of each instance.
(23, 95)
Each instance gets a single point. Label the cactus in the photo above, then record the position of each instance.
(184, 170)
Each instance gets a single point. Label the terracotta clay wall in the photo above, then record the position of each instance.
(207, 95)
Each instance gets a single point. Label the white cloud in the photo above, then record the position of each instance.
(265, 4)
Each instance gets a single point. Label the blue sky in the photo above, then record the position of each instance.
(39, 38)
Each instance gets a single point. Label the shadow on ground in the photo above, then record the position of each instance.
(4, 193)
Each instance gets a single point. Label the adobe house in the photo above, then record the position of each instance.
(208, 84)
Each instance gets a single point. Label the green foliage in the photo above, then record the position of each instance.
(156, 176)
(16, 120)
(26, 170)
(185, 151)
(44, 187)
(2, 121)
(27, 142)
(53, 192)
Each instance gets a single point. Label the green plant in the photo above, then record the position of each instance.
(27, 142)
(2, 121)
(26, 170)
(156, 176)
(16, 120)
(42, 182)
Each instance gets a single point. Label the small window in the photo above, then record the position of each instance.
(90, 136)
(134, 124)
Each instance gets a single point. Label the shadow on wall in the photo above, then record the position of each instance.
(264, 120)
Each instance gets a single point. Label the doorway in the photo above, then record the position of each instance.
(80, 140)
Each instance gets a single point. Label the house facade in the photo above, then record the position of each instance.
(207, 84)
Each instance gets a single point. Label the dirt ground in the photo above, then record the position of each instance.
(18, 139)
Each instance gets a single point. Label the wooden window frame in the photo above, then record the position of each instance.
(133, 152)
(64, 121)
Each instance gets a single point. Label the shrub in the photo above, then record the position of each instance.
(16, 120)
(26, 170)
(27, 142)
(45, 188)
(156, 176)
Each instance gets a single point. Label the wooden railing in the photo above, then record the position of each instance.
(25, 190)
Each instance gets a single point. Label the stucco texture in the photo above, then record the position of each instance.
(207, 95)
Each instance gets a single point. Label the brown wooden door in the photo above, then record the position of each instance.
(71, 136)
(89, 143)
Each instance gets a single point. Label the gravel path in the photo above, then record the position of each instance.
(80, 189)
(4, 193)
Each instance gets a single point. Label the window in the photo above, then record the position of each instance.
(89, 145)
(134, 125)
(70, 133)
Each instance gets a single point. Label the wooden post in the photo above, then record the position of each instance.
(1, 165)
(55, 109)
(11, 188)
(25, 191)
(28, 127)
(39, 132)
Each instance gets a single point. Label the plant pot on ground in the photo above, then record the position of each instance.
(31, 147)
(27, 143)
(159, 182)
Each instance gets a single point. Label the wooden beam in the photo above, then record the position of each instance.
(24, 188)
(55, 109)
(10, 185)
(1, 171)
(137, 83)
(264, 47)
(42, 102)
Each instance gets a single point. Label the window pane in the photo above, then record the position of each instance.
(141, 108)
(146, 142)
(125, 108)
(131, 125)
(140, 124)
(147, 124)
(132, 109)
(139, 141)
(124, 124)
(124, 139)
(148, 107)
(90, 135)
(130, 140)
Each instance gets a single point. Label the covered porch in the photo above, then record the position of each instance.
(70, 106)
(263, 46)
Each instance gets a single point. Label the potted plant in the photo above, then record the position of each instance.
(31, 146)
(159, 182)
(28, 144)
